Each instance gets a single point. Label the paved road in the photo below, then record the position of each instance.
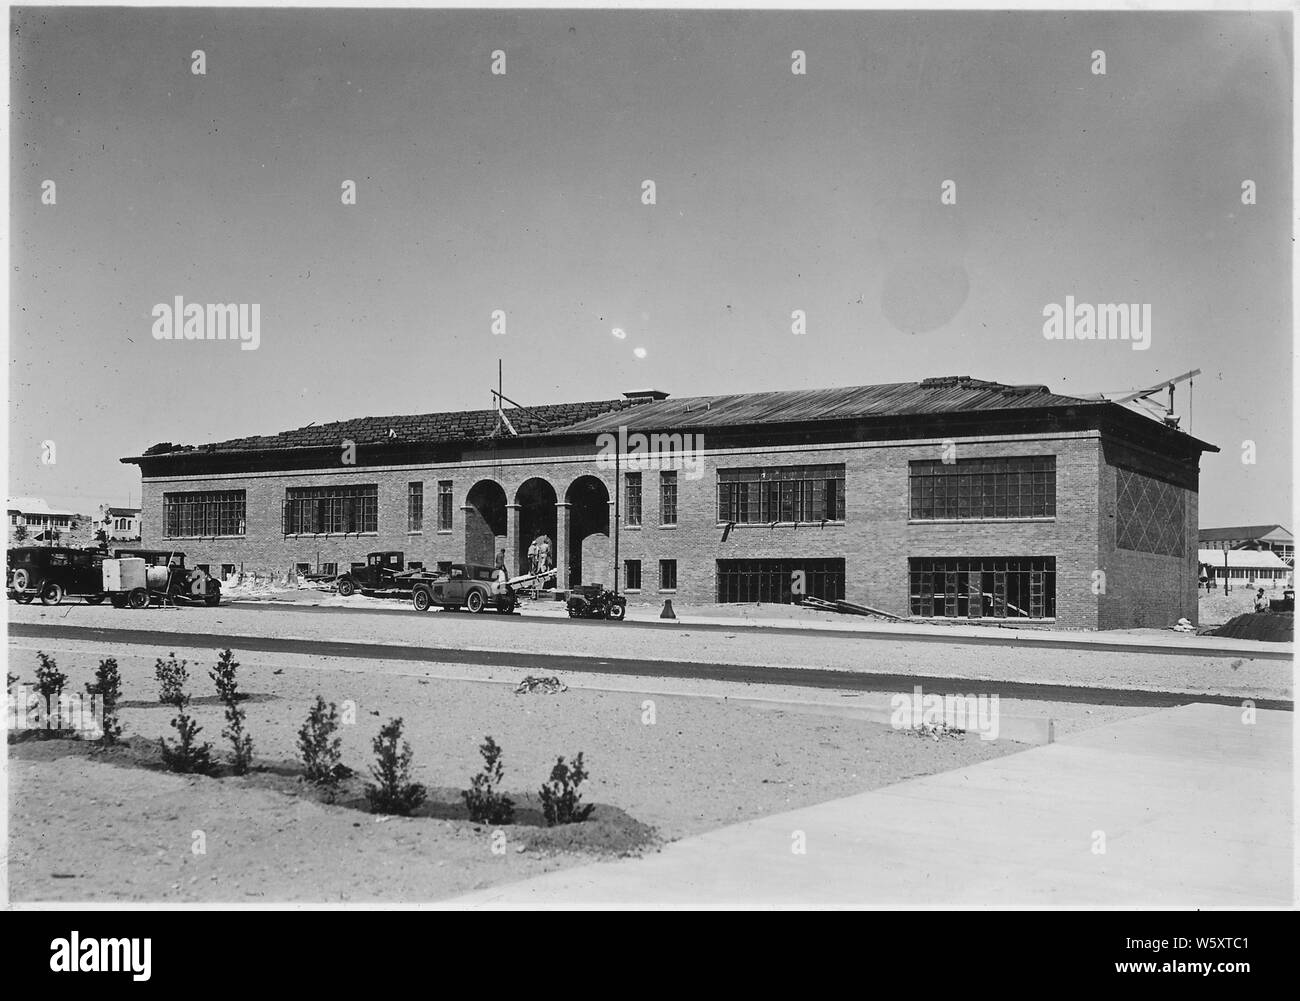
(1021, 638)
(543, 663)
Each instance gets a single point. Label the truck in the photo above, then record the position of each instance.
(140, 577)
(383, 573)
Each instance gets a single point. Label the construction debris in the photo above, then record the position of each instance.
(847, 608)
(1183, 626)
(541, 686)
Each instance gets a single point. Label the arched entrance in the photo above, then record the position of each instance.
(485, 522)
(590, 549)
(536, 500)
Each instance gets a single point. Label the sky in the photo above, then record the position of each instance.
(523, 192)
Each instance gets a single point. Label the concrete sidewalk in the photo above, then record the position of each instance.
(1195, 807)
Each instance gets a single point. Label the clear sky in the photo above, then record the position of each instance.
(775, 192)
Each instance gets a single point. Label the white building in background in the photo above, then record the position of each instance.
(40, 520)
(119, 523)
(1246, 567)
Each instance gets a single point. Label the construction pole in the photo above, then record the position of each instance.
(618, 476)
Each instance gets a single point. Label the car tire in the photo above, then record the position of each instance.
(212, 600)
(474, 601)
(346, 588)
(52, 594)
(24, 599)
(616, 612)
(95, 599)
(138, 598)
(505, 608)
(420, 600)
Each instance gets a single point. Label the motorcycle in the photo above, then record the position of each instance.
(591, 601)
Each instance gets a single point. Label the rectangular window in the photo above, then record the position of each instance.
(303, 567)
(444, 505)
(227, 571)
(415, 507)
(204, 514)
(976, 587)
(761, 495)
(668, 498)
(668, 575)
(632, 507)
(632, 575)
(332, 510)
(974, 489)
(329, 569)
(780, 581)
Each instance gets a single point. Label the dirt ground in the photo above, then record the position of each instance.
(81, 829)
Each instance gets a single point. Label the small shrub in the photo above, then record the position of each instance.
(108, 686)
(172, 675)
(319, 746)
(560, 797)
(50, 682)
(486, 805)
(394, 792)
(223, 676)
(186, 755)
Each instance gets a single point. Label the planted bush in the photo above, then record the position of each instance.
(393, 791)
(187, 755)
(108, 686)
(172, 675)
(486, 805)
(50, 682)
(319, 746)
(223, 676)
(561, 801)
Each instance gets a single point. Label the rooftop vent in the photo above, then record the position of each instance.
(646, 394)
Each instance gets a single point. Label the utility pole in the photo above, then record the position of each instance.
(618, 477)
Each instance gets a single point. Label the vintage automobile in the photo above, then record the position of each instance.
(168, 579)
(591, 601)
(383, 572)
(53, 573)
(466, 586)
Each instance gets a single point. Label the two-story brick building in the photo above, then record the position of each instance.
(947, 498)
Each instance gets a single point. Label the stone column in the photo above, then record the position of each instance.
(512, 541)
(562, 545)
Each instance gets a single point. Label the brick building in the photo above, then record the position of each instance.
(951, 497)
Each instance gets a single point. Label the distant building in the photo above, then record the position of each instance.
(119, 523)
(1246, 567)
(39, 519)
(1257, 537)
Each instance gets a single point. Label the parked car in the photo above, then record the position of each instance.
(382, 572)
(168, 579)
(53, 573)
(466, 586)
(591, 601)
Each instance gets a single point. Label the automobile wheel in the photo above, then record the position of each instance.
(474, 601)
(616, 612)
(506, 607)
(21, 580)
(138, 598)
(420, 599)
(24, 599)
(51, 594)
(118, 600)
(95, 599)
(346, 588)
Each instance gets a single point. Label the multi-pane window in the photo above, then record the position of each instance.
(764, 494)
(668, 497)
(444, 505)
(204, 514)
(667, 575)
(781, 581)
(332, 510)
(972, 587)
(1011, 487)
(415, 507)
(632, 575)
(632, 507)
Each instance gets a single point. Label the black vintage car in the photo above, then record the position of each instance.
(169, 579)
(53, 573)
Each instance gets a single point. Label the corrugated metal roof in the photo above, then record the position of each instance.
(1242, 532)
(950, 394)
(1242, 559)
(930, 396)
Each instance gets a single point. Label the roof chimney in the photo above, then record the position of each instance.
(638, 395)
